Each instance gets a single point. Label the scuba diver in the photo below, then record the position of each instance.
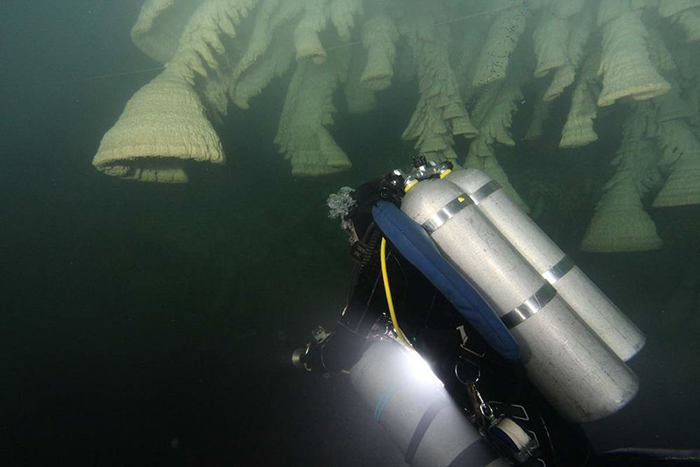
(476, 340)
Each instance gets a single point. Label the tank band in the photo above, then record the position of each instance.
(485, 191)
(422, 427)
(478, 453)
(529, 307)
(559, 270)
(448, 212)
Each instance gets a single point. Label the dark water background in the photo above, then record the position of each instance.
(143, 324)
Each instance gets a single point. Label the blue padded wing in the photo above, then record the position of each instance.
(418, 248)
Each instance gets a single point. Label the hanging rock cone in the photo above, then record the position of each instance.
(159, 27)
(683, 185)
(163, 125)
(621, 224)
(322, 158)
(578, 131)
(626, 67)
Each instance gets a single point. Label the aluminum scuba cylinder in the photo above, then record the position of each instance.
(577, 290)
(569, 364)
(416, 411)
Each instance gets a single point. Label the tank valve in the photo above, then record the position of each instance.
(425, 169)
(419, 161)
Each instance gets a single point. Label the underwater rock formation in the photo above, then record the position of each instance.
(472, 59)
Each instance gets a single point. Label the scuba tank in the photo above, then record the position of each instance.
(416, 411)
(516, 363)
(564, 358)
(571, 284)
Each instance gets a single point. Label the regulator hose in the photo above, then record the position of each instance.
(389, 301)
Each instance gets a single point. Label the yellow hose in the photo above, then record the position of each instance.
(389, 301)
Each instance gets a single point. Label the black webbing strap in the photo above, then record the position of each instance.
(423, 426)
(477, 454)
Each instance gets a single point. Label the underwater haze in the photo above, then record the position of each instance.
(148, 323)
